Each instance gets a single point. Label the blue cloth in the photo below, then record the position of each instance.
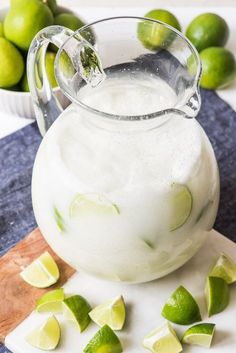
(17, 152)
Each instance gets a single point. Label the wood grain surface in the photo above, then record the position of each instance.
(17, 298)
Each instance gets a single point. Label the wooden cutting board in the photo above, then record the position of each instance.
(17, 298)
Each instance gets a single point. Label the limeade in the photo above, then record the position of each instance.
(126, 201)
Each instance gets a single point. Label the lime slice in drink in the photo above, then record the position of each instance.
(163, 340)
(59, 220)
(200, 335)
(104, 341)
(51, 301)
(111, 313)
(92, 204)
(217, 295)
(47, 336)
(42, 272)
(224, 268)
(181, 205)
(181, 308)
(76, 309)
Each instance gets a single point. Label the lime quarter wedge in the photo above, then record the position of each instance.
(224, 268)
(217, 295)
(181, 205)
(51, 301)
(199, 335)
(111, 313)
(181, 308)
(92, 204)
(42, 272)
(163, 340)
(76, 309)
(104, 341)
(47, 336)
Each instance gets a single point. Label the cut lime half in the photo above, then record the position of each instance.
(51, 301)
(200, 335)
(42, 272)
(76, 309)
(224, 268)
(181, 205)
(163, 340)
(181, 308)
(47, 336)
(217, 295)
(104, 341)
(111, 313)
(92, 204)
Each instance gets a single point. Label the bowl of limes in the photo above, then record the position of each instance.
(19, 23)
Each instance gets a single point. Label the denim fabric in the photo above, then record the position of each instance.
(17, 152)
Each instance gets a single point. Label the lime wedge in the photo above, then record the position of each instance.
(47, 336)
(92, 204)
(163, 340)
(224, 268)
(76, 309)
(51, 301)
(181, 308)
(59, 220)
(217, 295)
(104, 341)
(181, 205)
(111, 313)
(200, 335)
(42, 272)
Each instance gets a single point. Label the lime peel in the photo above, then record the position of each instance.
(217, 295)
(76, 309)
(51, 301)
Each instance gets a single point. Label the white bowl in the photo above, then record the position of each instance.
(20, 103)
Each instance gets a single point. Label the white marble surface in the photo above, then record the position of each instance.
(92, 10)
(144, 304)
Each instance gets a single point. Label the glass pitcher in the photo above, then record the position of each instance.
(125, 183)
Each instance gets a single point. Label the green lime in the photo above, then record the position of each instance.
(181, 205)
(50, 59)
(181, 308)
(218, 68)
(92, 204)
(52, 4)
(111, 313)
(217, 295)
(42, 272)
(154, 35)
(24, 20)
(224, 268)
(163, 340)
(200, 335)
(12, 64)
(59, 220)
(1, 30)
(104, 341)
(24, 83)
(208, 30)
(47, 336)
(51, 301)
(76, 309)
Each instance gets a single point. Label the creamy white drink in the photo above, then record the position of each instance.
(125, 200)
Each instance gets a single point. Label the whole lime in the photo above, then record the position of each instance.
(52, 4)
(74, 23)
(218, 67)
(24, 83)
(12, 64)
(153, 35)
(24, 20)
(50, 59)
(208, 30)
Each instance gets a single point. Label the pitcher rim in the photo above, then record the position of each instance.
(142, 117)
